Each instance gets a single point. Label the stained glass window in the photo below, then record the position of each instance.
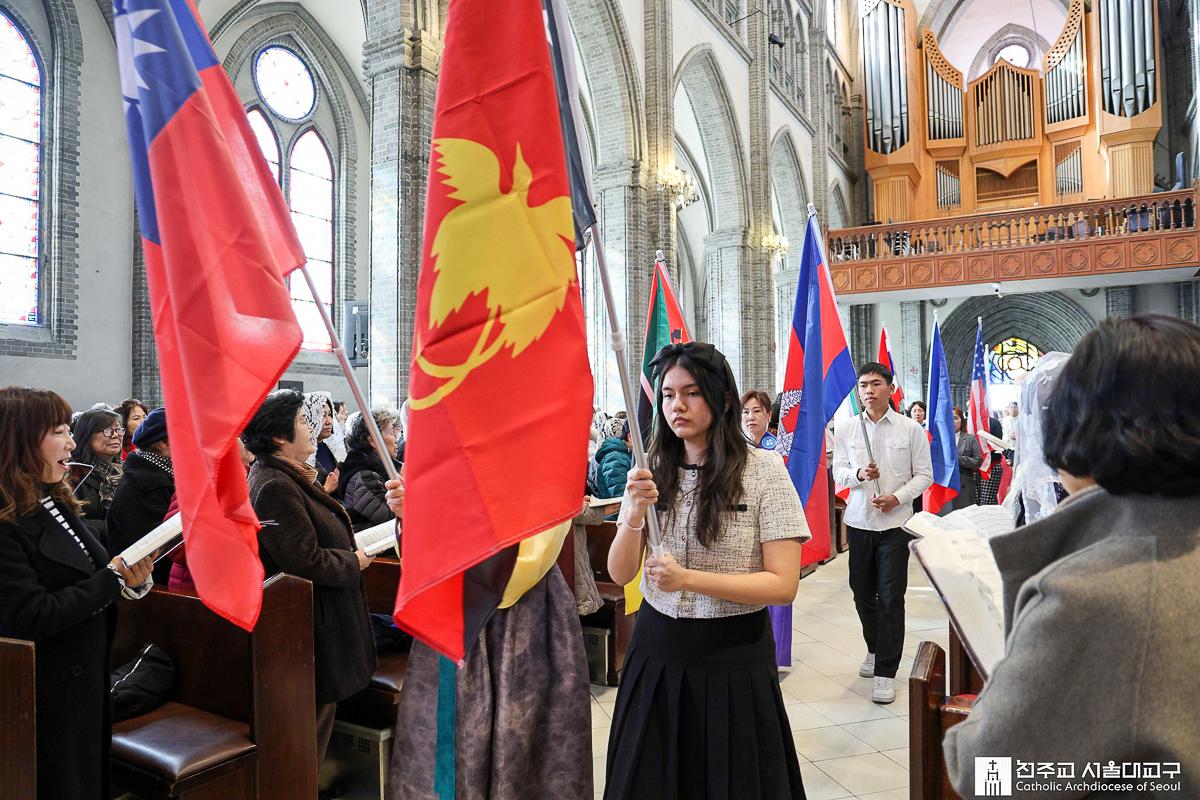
(20, 161)
(310, 194)
(266, 139)
(1015, 54)
(285, 83)
(1011, 359)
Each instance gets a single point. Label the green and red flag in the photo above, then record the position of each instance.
(664, 325)
(500, 388)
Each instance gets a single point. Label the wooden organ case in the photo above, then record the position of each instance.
(1080, 128)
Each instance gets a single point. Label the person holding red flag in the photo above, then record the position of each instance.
(495, 700)
(883, 458)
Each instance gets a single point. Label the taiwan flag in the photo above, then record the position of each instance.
(500, 387)
(819, 376)
(943, 441)
(885, 358)
(218, 243)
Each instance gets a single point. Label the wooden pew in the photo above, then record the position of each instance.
(241, 717)
(612, 615)
(962, 676)
(931, 714)
(18, 720)
(376, 706)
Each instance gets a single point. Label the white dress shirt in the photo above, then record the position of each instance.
(901, 449)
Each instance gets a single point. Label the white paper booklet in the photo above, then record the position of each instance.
(963, 570)
(154, 540)
(598, 502)
(377, 538)
(989, 521)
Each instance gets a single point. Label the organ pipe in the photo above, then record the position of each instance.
(885, 62)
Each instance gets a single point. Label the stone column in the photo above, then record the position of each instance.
(912, 349)
(757, 284)
(399, 61)
(1187, 300)
(724, 257)
(1119, 300)
(862, 338)
(659, 218)
(147, 383)
(818, 113)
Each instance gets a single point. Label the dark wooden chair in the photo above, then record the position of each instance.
(931, 714)
(612, 614)
(241, 720)
(18, 720)
(376, 706)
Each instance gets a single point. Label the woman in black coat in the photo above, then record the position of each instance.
(98, 435)
(309, 536)
(57, 588)
(361, 476)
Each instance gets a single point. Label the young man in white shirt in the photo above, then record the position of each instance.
(882, 491)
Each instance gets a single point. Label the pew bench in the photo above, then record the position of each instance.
(376, 706)
(18, 720)
(931, 714)
(612, 614)
(241, 717)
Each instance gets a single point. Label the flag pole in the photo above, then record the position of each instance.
(359, 397)
(619, 345)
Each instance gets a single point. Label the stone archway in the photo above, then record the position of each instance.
(1048, 320)
(728, 262)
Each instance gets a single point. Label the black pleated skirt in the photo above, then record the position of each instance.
(699, 713)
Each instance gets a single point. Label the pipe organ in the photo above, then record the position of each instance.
(1082, 126)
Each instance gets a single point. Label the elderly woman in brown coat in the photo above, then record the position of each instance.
(306, 533)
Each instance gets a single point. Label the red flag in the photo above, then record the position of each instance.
(500, 385)
(885, 358)
(218, 243)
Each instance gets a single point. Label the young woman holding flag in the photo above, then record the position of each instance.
(699, 712)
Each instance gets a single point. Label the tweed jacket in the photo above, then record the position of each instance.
(1101, 604)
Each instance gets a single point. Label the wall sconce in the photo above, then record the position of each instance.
(775, 245)
(681, 185)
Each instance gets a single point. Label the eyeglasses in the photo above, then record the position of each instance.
(112, 432)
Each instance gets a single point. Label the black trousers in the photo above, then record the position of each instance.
(879, 578)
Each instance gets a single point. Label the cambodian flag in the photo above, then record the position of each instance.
(943, 442)
(819, 376)
(218, 243)
(978, 411)
(885, 358)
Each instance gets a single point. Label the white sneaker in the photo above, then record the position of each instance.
(884, 691)
(867, 670)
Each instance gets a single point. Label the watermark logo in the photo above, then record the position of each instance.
(993, 777)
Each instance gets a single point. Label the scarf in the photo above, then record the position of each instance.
(154, 458)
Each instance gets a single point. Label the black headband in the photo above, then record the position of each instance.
(699, 351)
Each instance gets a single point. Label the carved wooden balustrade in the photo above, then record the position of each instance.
(1156, 231)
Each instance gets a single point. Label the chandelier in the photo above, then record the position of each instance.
(775, 245)
(679, 184)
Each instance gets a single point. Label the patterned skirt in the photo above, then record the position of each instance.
(699, 713)
(987, 490)
(523, 725)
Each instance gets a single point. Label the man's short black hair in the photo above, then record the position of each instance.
(1124, 412)
(875, 368)
(276, 418)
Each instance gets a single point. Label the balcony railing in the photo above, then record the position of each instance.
(1155, 231)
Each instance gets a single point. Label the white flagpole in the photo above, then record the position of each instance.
(619, 345)
(359, 397)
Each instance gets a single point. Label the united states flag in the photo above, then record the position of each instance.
(978, 411)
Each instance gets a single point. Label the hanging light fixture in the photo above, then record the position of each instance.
(679, 184)
(775, 245)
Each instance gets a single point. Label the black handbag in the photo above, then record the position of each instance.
(389, 638)
(143, 684)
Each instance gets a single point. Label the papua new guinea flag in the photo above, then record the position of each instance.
(943, 441)
(218, 242)
(500, 388)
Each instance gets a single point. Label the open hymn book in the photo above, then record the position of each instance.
(374, 540)
(156, 539)
(955, 555)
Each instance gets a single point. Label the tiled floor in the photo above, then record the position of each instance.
(848, 746)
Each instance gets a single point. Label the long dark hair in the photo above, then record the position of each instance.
(96, 419)
(719, 479)
(28, 414)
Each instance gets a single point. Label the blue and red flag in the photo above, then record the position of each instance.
(819, 375)
(978, 411)
(218, 242)
(943, 442)
(885, 358)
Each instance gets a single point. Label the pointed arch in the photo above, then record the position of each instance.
(700, 77)
(790, 184)
(839, 214)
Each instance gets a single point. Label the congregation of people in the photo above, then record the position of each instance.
(1099, 595)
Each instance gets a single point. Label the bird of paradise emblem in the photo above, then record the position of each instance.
(494, 244)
